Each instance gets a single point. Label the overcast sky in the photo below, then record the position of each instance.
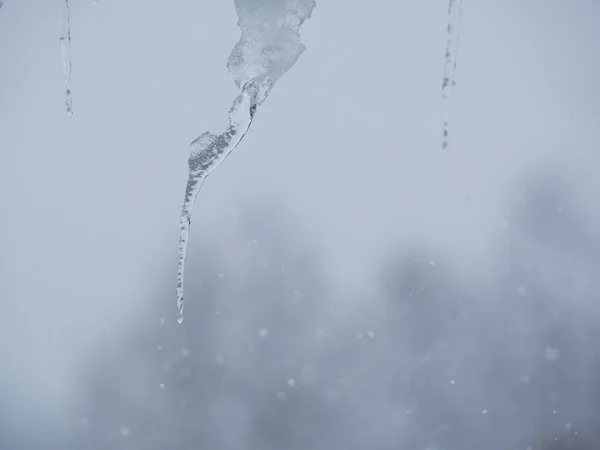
(348, 145)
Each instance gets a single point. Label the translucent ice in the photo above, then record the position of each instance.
(268, 47)
(454, 16)
(65, 51)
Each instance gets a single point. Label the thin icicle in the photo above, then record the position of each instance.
(65, 51)
(454, 17)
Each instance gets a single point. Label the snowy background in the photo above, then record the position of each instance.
(350, 285)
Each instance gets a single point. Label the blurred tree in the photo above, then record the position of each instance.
(271, 358)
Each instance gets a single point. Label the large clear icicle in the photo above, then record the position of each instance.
(65, 51)
(454, 17)
(268, 47)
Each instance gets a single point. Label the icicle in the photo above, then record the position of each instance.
(65, 51)
(206, 153)
(454, 16)
(268, 48)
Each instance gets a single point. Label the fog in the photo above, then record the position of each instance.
(349, 283)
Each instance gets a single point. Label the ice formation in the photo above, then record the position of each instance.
(65, 51)
(268, 47)
(454, 16)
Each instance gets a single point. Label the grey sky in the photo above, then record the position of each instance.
(349, 143)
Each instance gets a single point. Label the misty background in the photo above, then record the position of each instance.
(350, 285)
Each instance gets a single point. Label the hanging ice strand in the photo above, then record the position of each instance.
(65, 51)
(454, 16)
(268, 47)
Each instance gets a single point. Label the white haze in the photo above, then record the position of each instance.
(348, 149)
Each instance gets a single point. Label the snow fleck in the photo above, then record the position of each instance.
(263, 332)
(522, 290)
(184, 352)
(291, 382)
(484, 411)
(281, 396)
(162, 320)
(452, 382)
(159, 347)
(432, 263)
(371, 334)
(568, 425)
(220, 359)
(125, 431)
(221, 275)
(552, 354)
